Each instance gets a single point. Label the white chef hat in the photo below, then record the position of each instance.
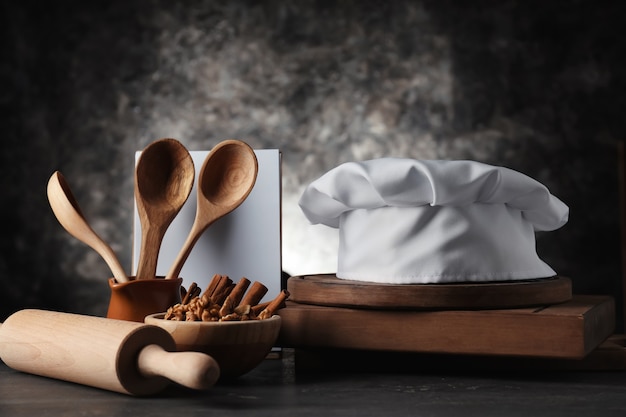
(406, 221)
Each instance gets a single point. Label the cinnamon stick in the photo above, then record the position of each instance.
(232, 300)
(223, 283)
(254, 295)
(257, 309)
(213, 284)
(240, 289)
(274, 305)
(191, 292)
(218, 288)
(221, 294)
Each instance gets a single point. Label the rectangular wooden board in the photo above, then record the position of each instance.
(569, 330)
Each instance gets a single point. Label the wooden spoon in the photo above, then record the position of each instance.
(226, 178)
(69, 214)
(163, 181)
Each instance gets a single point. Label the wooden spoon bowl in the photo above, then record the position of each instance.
(226, 181)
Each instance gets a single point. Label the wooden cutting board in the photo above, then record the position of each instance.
(328, 290)
(568, 330)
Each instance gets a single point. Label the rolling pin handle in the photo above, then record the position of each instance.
(191, 369)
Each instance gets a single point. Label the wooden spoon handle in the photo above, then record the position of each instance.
(191, 369)
(149, 252)
(112, 261)
(192, 238)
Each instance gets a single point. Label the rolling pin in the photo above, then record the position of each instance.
(117, 355)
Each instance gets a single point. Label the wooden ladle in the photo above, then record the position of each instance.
(69, 214)
(226, 178)
(163, 181)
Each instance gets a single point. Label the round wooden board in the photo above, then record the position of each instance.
(328, 290)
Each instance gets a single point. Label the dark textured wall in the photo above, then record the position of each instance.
(535, 86)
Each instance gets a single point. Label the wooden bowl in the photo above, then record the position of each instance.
(237, 346)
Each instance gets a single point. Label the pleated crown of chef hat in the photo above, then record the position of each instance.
(406, 221)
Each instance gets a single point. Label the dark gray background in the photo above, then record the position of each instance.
(535, 86)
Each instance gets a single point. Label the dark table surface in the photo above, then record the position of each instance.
(275, 388)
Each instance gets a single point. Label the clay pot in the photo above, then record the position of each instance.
(135, 299)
